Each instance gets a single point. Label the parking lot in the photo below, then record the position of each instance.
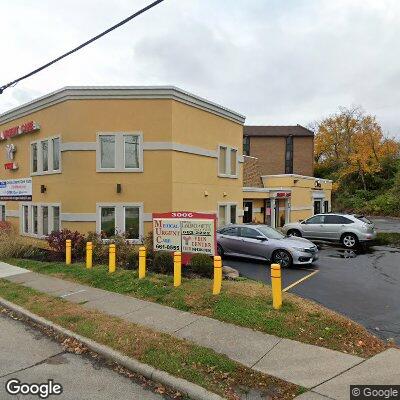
(363, 285)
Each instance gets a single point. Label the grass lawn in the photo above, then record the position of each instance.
(245, 303)
(197, 364)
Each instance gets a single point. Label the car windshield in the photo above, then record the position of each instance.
(270, 233)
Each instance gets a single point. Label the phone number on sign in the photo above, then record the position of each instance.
(166, 247)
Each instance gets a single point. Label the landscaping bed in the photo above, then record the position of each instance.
(197, 364)
(244, 302)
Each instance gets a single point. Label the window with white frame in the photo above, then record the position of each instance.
(120, 218)
(227, 214)
(119, 152)
(2, 212)
(39, 220)
(227, 162)
(46, 156)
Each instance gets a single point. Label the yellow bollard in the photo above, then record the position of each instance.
(276, 281)
(142, 262)
(111, 259)
(217, 275)
(68, 251)
(177, 268)
(89, 254)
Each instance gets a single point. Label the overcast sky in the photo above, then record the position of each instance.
(276, 61)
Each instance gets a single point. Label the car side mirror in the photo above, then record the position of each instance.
(262, 238)
(302, 221)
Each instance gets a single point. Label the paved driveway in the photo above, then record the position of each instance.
(386, 224)
(363, 286)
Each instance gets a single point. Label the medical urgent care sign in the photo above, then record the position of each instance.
(16, 190)
(188, 232)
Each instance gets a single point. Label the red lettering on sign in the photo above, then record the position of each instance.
(27, 127)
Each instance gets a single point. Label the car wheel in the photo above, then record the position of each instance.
(220, 250)
(294, 232)
(283, 258)
(349, 240)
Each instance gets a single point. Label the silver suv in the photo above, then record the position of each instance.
(344, 228)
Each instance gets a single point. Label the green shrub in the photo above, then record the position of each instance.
(100, 251)
(163, 262)
(148, 243)
(202, 264)
(132, 260)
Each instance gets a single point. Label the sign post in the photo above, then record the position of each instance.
(184, 231)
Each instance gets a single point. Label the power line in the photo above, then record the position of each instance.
(124, 21)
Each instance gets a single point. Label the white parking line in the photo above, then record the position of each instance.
(300, 280)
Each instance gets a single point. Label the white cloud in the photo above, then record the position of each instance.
(276, 62)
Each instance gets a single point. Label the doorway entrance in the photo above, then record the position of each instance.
(317, 206)
(248, 211)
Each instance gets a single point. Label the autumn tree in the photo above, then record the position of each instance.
(351, 143)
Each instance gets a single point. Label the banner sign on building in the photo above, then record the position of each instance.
(16, 190)
(188, 232)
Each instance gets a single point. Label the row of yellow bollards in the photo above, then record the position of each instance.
(276, 277)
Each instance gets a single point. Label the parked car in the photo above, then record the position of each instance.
(264, 243)
(348, 229)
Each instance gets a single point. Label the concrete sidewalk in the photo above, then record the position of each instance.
(326, 372)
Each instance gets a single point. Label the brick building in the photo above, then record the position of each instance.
(280, 149)
(278, 181)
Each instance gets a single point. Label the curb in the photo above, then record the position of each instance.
(187, 388)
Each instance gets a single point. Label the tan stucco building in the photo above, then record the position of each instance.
(106, 158)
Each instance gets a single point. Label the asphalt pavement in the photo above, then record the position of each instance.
(31, 357)
(363, 285)
(386, 224)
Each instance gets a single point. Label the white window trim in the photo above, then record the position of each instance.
(3, 204)
(120, 218)
(228, 162)
(227, 213)
(119, 152)
(40, 157)
(50, 216)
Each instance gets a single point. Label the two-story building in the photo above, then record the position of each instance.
(105, 158)
(279, 185)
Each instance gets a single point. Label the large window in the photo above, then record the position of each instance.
(131, 151)
(46, 156)
(120, 152)
(227, 162)
(39, 220)
(35, 220)
(56, 153)
(45, 220)
(34, 154)
(107, 225)
(289, 155)
(107, 151)
(121, 218)
(25, 219)
(227, 214)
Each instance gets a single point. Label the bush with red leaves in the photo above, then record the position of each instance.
(5, 227)
(56, 241)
